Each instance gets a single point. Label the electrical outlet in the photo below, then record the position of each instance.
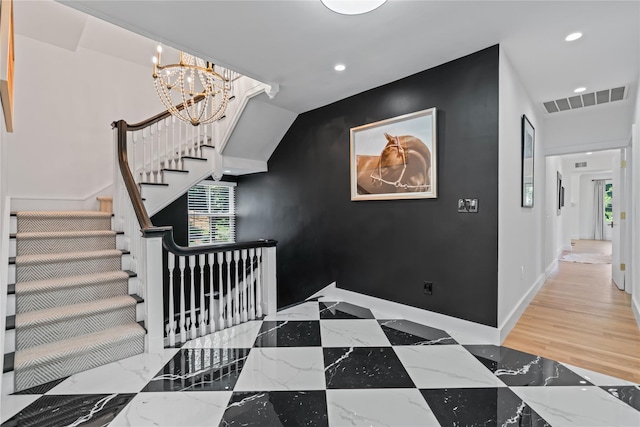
(428, 288)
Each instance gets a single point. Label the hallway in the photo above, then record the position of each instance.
(581, 318)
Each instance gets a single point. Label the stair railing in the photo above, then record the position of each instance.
(143, 151)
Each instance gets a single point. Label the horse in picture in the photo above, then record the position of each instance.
(403, 166)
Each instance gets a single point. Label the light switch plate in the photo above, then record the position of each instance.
(468, 205)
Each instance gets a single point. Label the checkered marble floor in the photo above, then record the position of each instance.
(330, 364)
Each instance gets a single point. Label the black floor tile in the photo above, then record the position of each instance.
(405, 332)
(289, 333)
(42, 388)
(628, 394)
(364, 367)
(481, 407)
(343, 310)
(205, 369)
(277, 408)
(92, 410)
(516, 368)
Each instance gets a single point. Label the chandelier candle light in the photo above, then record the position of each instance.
(194, 83)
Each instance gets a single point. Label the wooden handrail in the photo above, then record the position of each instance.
(165, 114)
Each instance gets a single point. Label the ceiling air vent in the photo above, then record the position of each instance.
(587, 99)
(581, 165)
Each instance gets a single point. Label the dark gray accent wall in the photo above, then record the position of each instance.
(387, 249)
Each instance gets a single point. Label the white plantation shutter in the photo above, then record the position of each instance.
(212, 211)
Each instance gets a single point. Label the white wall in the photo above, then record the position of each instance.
(62, 151)
(520, 237)
(605, 127)
(635, 208)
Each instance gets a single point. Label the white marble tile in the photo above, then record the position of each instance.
(578, 406)
(128, 375)
(176, 409)
(352, 333)
(12, 404)
(283, 369)
(239, 336)
(446, 366)
(304, 311)
(596, 377)
(386, 407)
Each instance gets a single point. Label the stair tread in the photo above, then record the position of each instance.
(67, 256)
(175, 170)
(194, 158)
(63, 234)
(63, 214)
(69, 282)
(41, 317)
(50, 352)
(155, 183)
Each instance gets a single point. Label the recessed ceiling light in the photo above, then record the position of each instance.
(589, 153)
(227, 171)
(580, 89)
(573, 36)
(353, 7)
(340, 67)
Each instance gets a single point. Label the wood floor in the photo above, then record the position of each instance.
(580, 317)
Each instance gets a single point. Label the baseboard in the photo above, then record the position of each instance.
(524, 302)
(463, 331)
(566, 248)
(636, 310)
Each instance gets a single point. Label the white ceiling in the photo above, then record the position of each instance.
(297, 43)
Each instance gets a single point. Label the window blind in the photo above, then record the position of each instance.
(211, 214)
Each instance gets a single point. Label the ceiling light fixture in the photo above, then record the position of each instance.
(340, 67)
(201, 87)
(589, 153)
(580, 89)
(573, 36)
(352, 7)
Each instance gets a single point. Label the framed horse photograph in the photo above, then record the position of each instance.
(395, 158)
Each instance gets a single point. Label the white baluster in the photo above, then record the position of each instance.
(143, 171)
(220, 257)
(229, 309)
(245, 315)
(192, 296)
(132, 156)
(158, 174)
(203, 312)
(172, 327)
(183, 325)
(252, 296)
(212, 322)
(165, 161)
(259, 283)
(236, 305)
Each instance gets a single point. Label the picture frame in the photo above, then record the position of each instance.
(528, 164)
(395, 158)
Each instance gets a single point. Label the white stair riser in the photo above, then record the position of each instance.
(62, 245)
(58, 297)
(8, 383)
(13, 225)
(133, 286)
(10, 341)
(12, 247)
(67, 268)
(11, 279)
(126, 262)
(11, 305)
(121, 242)
(63, 224)
(140, 312)
(40, 374)
(27, 337)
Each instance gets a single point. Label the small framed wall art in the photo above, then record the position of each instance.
(528, 151)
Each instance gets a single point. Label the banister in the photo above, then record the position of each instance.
(146, 226)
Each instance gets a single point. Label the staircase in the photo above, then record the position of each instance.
(72, 302)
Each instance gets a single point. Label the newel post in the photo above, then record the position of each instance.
(269, 291)
(153, 289)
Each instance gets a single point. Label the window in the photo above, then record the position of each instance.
(212, 213)
(608, 207)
